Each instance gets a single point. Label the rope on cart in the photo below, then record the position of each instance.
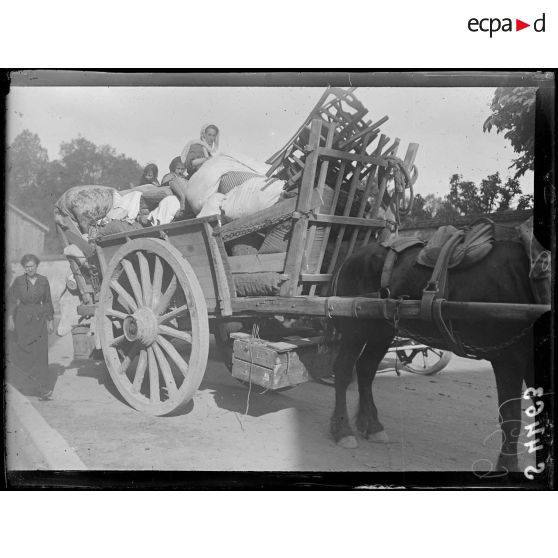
(403, 180)
(255, 338)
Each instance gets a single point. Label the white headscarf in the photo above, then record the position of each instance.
(208, 150)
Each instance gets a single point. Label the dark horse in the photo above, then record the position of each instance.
(502, 276)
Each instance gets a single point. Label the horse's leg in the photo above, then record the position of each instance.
(367, 423)
(510, 371)
(353, 338)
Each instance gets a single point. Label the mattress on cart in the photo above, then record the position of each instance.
(265, 283)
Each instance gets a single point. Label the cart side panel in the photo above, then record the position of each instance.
(194, 240)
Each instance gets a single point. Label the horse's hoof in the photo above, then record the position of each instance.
(379, 437)
(348, 442)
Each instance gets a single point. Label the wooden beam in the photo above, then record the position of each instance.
(353, 139)
(336, 192)
(254, 263)
(313, 228)
(411, 155)
(347, 211)
(293, 263)
(316, 277)
(156, 231)
(349, 221)
(224, 294)
(371, 308)
(343, 156)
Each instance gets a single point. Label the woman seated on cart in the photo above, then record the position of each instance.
(198, 151)
(149, 175)
(161, 203)
(177, 183)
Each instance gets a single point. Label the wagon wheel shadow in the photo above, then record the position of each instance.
(94, 367)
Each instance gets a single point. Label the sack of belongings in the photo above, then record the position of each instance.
(248, 198)
(206, 181)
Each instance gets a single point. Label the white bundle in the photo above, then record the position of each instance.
(250, 197)
(212, 206)
(205, 181)
(124, 208)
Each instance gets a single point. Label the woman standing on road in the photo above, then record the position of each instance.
(198, 151)
(30, 317)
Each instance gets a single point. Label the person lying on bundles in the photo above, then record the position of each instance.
(153, 207)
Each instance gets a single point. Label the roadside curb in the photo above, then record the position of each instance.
(52, 446)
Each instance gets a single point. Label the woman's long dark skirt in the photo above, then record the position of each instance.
(28, 350)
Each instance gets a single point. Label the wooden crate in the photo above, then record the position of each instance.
(83, 340)
(272, 364)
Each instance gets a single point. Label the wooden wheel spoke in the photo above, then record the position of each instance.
(166, 296)
(115, 314)
(184, 335)
(118, 341)
(173, 354)
(140, 371)
(134, 281)
(157, 282)
(173, 314)
(154, 395)
(165, 370)
(125, 364)
(145, 280)
(149, 305)
(123, 295)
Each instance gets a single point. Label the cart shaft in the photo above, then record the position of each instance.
(369, 308)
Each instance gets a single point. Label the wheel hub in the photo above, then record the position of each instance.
(141, 326)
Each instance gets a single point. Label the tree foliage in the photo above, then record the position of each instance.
(85, 163)
(430, 207)
(490, 196)
(27, 166)
(466, 198)
(35, 183)
(513, 112)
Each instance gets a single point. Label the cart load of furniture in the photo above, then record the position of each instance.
(153, 295)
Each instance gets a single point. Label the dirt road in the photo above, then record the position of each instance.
(447, 422)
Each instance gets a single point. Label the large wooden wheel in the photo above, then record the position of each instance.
(153, 326)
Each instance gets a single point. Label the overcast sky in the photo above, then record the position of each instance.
(152, 124)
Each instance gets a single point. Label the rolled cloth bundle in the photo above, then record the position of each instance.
(206, 181)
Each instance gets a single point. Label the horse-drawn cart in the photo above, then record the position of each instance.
(163, 289)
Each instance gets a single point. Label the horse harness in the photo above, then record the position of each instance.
(448, 248)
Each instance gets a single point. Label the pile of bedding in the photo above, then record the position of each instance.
(227, 187)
